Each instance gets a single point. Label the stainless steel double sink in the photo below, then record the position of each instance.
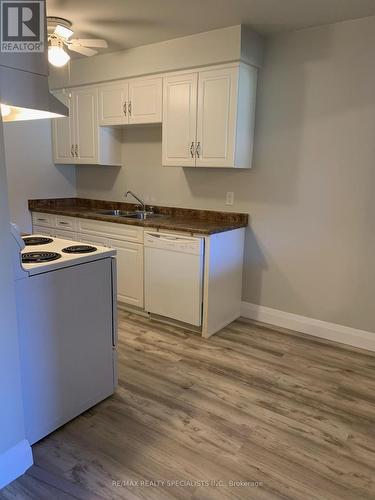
(129, 214)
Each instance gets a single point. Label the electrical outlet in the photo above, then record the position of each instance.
(229, 198)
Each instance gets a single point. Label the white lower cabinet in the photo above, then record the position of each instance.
(217, 304)
(126, 239)
(129, 272)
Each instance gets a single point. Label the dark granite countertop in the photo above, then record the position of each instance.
(203, 222)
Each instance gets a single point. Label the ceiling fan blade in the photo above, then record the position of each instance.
(63, 31)
(85, 51)
(91, 42)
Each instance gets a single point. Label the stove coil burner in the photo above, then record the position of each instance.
(36, 240)
(79, 249)
(38, 257)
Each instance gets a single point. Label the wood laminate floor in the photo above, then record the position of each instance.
(252, 413)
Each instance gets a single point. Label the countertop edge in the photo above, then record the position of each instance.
(149, 223)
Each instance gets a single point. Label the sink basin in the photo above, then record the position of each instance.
(129, 214)
(118, 213)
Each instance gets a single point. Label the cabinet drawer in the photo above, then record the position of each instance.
(111, 229)
(44, 220)
(66, 223)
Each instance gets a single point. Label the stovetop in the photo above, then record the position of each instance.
(60, 253)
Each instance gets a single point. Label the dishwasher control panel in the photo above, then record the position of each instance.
(185, 244)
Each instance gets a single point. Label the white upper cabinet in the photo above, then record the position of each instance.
(131, 102)
(208, 121)
(179, 119)
(62, 133)
(113, 103)
(207, 118)
(217, 92)
(85, 125)
(145, 100)
(78, 139)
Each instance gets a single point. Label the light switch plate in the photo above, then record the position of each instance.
(229, 198)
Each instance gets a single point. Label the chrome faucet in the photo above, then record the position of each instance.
(142, 203)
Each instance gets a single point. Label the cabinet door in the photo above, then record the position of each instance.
(62, 133)
(217, 98)
(85, 115)
(129, 272)
(113, 104)
(145, 100)
(179, 120)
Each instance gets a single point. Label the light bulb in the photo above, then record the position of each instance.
(5, 110)
(57, 56)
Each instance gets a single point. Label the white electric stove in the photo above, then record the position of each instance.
(66, 308)
(40, 254)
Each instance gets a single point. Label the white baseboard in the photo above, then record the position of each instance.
(310, 326)
(15, 462)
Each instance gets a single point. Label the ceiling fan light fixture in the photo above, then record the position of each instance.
(61, 43)
(57, 56)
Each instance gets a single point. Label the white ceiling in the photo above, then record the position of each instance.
(131, 23)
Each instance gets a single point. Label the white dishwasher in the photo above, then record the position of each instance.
(174, 276)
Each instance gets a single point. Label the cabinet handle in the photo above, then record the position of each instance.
(72, 150)
(76, 150)
(192, 149)
(130, 108)
(124, 108)
(64, 223)
(198, 149)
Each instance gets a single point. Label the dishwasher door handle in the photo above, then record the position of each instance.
(171, 237)
(159, 237)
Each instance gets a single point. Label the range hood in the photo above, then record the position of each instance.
(26, 96)
(24, 89)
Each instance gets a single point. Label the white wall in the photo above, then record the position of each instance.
(310, 194)
(30, 169)
(15, 453)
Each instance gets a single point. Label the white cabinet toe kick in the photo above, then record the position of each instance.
(193, 281)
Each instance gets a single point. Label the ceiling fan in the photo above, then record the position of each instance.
(59, 33)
